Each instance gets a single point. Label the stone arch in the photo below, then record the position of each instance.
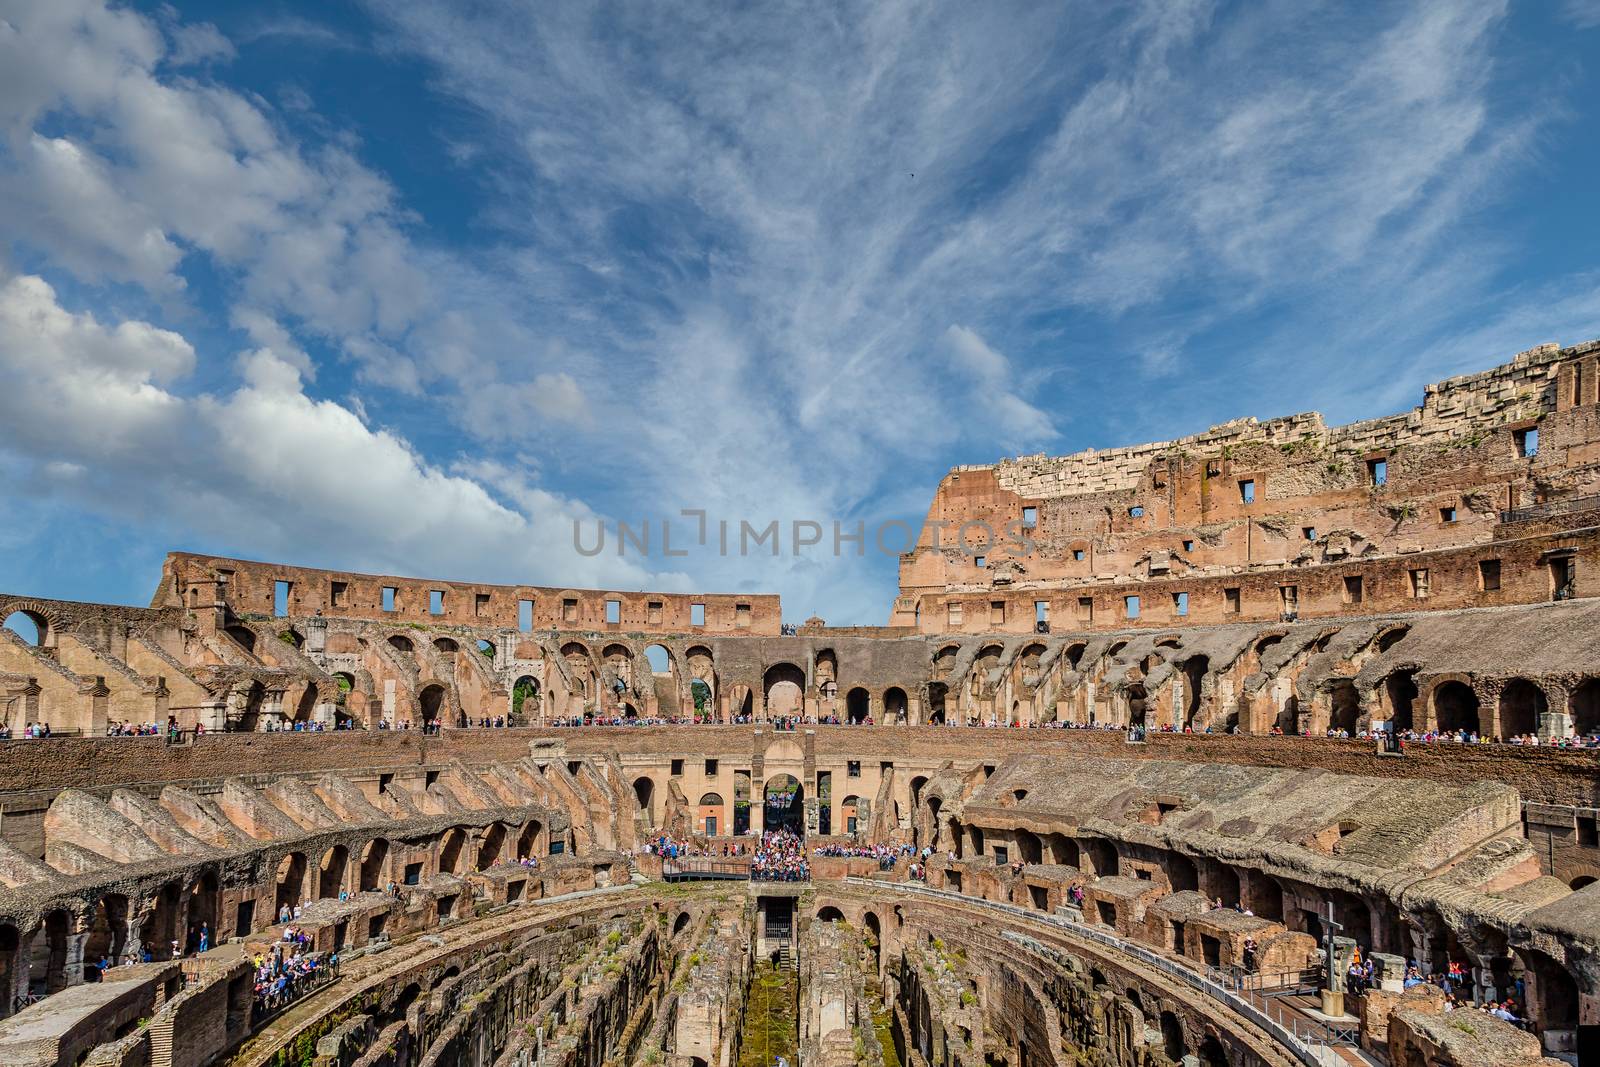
(1172, 1039)
(783, 690)
(680, 924)
(1029, 848)
(450, 849)
(331, 871)
(858, 705)
(791, 815)
(1522, 707)
(528, 840)
(944, 660)
(644, 793)
(1182, 874)
(446, 646)
(938, 697)
(1390, 637)
(1063, 850)
(373, 858)
(1583, 704)
(1074, 653)
(290, 882)
(242, 635)
(50, 950)
(255, 696)
(1136, 698)
(401, 643)
(1455, 706)
(31, 624)
(741, 701)
(205, 897)
(494, 839)
(1345, 706)
(829, 914)
(850, 814)
(1400, 688)
(431, 702)
(108, 935)
(895, 704)
(1554, 999)
(525, 696)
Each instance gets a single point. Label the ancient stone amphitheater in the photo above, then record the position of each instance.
(1242, 704)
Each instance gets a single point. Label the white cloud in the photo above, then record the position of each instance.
(198, 42)
(992, 389)
(76, 391)
(265, 467)
(715, 256)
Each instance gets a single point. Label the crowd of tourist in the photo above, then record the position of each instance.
(780, 857)
(789, 723)
(885, 855)
(289, 971)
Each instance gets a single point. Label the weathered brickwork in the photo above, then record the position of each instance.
(1342, 517)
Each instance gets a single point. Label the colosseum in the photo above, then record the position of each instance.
(1275, 744)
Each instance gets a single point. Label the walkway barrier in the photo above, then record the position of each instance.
(704, 868)
(1311, 1044)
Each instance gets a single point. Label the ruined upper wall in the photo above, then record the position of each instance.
(1524, 388)
(250, 588)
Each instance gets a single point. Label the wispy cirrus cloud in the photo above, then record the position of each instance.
(777, 261)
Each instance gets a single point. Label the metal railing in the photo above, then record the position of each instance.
(689, 868)
(1309, 1044)
(1550, 509)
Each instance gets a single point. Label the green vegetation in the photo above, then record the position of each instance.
(770, 1027)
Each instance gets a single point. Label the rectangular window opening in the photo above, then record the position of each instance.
(1030, 518)
(1353, 591)
(280, 597)
(1230, 601)
(390, 596)
(1130, 606)
(852, 768)
(677, 768)
(480, 604)
(979, 561)
(614, 612)
(1308, 532)
(653, 612)
(569, 609)
(741, 616)
(1188, 546)
(1086, 608)
(997, 612)
(337, 593)
(525, 615)
(1247, 491)
(711, 768)
(1488, 575)
(1041, 611)
(1378, 471)
(1180, 603)
(1077, 555)
(697, 614)
(1136, 512)
(436, 602)
(1527, 442)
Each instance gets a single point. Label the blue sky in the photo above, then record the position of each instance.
(410, 286)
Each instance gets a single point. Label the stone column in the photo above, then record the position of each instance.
(1391, 972)
(1338, 963)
